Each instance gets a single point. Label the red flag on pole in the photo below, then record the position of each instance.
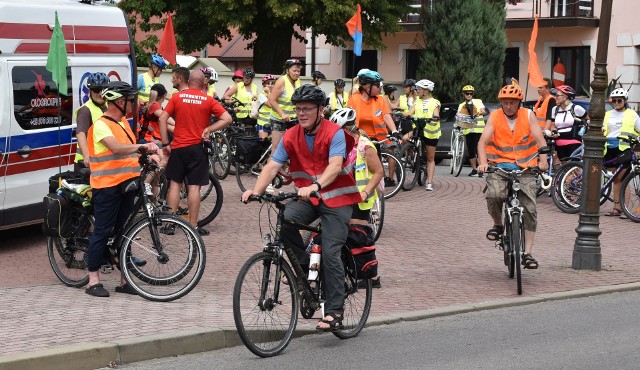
(535, 76)
(168, 48)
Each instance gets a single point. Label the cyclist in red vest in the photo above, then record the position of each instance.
(317, 149)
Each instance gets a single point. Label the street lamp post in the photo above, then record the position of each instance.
(586, 251)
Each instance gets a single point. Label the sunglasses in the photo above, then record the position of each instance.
(468, 93)
(617, 101)
(96, 90)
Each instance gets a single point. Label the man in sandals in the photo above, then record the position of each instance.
(317, 149)
(510, 140)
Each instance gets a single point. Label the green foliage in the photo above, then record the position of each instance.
(274, 22)
(465, 44)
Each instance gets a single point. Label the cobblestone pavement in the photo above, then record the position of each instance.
(432, 253)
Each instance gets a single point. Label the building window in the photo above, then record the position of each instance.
(511, 65)
(412, 60)
(368, 59)
(576, 61)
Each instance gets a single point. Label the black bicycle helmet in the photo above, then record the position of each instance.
(248, 73)
(318, 74)
(118, 89)
(97, 80)
(388, 89)
(292, 62)
(339, 83)
(308, 93)
(408, 82)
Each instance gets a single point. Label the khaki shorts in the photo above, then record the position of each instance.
(496, 195)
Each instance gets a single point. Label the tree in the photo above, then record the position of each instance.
(274, 23)
(465, 44)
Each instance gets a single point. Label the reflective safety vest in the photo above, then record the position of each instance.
(284, 100)
(628, 128)
(362, 173)
(306, 167)
(425, 109)
(338, 101)
(264, 113)
(143, 95)
(109, 169)
(245, 97)
(96, 112)
(404, 103)
(479, 118)
(506, 146)
(211, 91)
(540, 109)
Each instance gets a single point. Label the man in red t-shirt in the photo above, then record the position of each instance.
(191, 110)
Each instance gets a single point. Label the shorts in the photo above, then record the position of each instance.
(614, 155)
(496, 195)
(190, 162)
(564, 151)
(265, 128)
(281, 126)
(360, 214)
(406, 125)
(430, 142)
(472, 140)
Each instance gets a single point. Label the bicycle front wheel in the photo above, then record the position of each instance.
(247, 175)
(517, 242)
(174, 256)
(393, 174)
(376, 217)
(570, 188)
(357, 305)
(211, 198)
(410, 158)
(458, 155)
(265, 310)
(219, 159)
(630, 196)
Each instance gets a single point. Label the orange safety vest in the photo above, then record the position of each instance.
(540, 109)
(517, 146)
(109, 169)
(306, 167)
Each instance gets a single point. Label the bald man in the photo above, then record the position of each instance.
(192, 110)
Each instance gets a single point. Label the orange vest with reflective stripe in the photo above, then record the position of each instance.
(306, 167)
(109, 169)
(506, 146)
(540, 109)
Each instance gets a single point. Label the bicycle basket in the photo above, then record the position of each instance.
(249, 149)
(465, 121)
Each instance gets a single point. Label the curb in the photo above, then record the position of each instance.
(176, 343)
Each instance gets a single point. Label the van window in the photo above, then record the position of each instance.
(36, 101)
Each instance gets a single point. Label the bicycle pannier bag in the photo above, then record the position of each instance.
(58, 219)
(362, 262)
(248, 149)
(70, 176)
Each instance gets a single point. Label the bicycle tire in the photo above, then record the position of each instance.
(247, 175)
(183, 251)
(210, 204)
(570, 188)
(452, 143)
(410, 158)
(630, 203)
(398, 177)
(219, 160)
(518, 243)
(555, 189)
(356, 308)
(257, 274)
(376, 217)
(68, 257)
(458, 155)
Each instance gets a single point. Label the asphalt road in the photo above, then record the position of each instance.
(587, 333)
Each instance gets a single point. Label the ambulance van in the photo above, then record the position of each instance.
(37, 122)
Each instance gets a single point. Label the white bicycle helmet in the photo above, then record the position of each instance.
(619, 93)
(425, 84)
(344, 117)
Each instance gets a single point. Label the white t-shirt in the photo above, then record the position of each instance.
(615, 124)
(562, 117)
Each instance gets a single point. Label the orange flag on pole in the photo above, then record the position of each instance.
(168, 48)
(535, 76)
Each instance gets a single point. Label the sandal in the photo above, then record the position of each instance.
(529, 262)
(97, 290)
(126, 289)
(614, 212)
(334, 324)
(494, 233)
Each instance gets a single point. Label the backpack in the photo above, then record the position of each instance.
(361, 262)
(249, 149)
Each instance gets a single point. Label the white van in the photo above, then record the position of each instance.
(37, 126)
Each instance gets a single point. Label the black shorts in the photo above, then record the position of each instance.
(360, 214)
(472, 140)
(190, 162)
(430, 142)
(564, 151)
(282, 126)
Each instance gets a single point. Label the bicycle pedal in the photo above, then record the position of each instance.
(106, 269)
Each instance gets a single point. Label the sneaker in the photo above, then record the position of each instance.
(138, 261)
(202, 232)
(388, 181)
(473, 173)
(428, 187)
(480, 174)
(168, 229)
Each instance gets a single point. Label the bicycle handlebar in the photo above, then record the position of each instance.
(534, 170)
(276, 198)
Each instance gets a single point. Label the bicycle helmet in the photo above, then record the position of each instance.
(369, 77)
(363, 71)
(210, 72)
(318, 74)
(97, 80)
(292, 62)
(408, 82)
(158, 60)
(248, 73)
(308, 93)
(619, 93)
(344, 117)
(510, 92)
(567, 90)
(388, 89)
(339, 83)
(118, 89)
(468, 88)
(425, 84)
(268, 77)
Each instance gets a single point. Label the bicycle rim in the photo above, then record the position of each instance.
(410, 159)
(376, 217)
(630, 196)
(458, 155)
(265, 326)
(211, 199)
(67, 259)
(173, 268)
(357, 305)
(219, 161)
(388, 161)
(571, 188)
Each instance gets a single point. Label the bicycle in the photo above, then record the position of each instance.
(411, 157)
(168, 259)
(457, 150)
(393, 181)
(247, 174)
(265, 308)
(218, 150)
